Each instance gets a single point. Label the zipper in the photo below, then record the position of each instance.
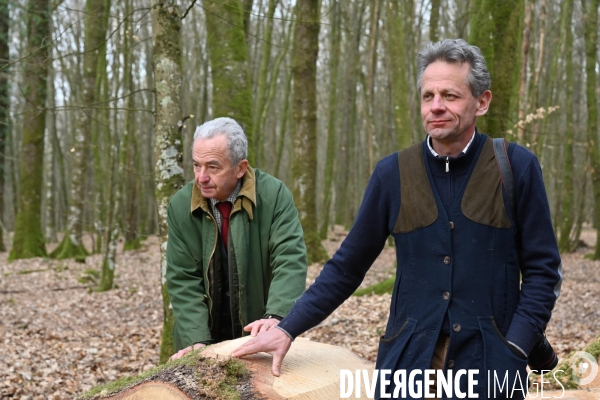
(447, 164)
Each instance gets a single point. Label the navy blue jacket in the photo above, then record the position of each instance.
(457, 273)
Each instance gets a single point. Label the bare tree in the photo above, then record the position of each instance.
(28, 240)
(590, 21)
(166, 26)
(95, 34)
(4, 106)
(304, 163)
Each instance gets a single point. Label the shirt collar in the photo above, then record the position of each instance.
(462, 152)
(232, 197)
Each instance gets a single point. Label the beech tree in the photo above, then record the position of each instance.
(95, 33)
(304, 163)
(28, 240)
(166, 26)
(4, 106)
(590, 19)
(228, 52)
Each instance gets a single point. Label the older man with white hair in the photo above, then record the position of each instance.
(236, 254)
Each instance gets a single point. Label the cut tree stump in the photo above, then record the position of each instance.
(310, 371)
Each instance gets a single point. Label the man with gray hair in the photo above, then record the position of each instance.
(236, 258)
(476, 279)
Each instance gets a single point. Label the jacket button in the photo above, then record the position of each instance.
(208, 217)
(447, 260)
(451, 364)
(456, 327)
(451, 225)
(446, 295)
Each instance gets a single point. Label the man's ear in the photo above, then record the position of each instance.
(483, 103)
(242, 168)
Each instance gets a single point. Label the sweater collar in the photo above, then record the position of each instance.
(464, 151)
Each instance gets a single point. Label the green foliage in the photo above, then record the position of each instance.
(226, 39)
(61, 268)
(31, 271)
(566, 377)
(314, 247)
(190, 359)
(89, 276)
(134, 244)
(496, 30)
(28, 239)
(380, 288)
(68, 249)
(167, 348)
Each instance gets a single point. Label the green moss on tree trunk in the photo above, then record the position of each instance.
(68, 249)
(566, 243)
(304, 158)
(166, 26)
(590, 20)
(4, 107)
(496, 30)
(232, 95)
(28, 240)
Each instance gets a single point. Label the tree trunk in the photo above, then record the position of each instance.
(330, 165)
(536, 140)
(28, 240)
(523, 75)
(166, 26)
(247, 14)
(345, 211)
(129, 187)
(304, 159)
(567, 214)
(496, 30)
(232, 95)
(95, 33)
(590, 24)
(49, 160)
(283, 127)
(262, 84)
(434, 19)
(101, 135)
(397, 69)
(370, 86)
(4, 107)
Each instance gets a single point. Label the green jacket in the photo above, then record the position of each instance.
(267, 257)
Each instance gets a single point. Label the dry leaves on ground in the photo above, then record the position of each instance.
(58, 339)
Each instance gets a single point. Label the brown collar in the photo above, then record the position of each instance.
(246, 199)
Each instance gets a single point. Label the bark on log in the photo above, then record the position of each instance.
(310, 371)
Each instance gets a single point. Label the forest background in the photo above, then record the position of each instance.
(99, 100)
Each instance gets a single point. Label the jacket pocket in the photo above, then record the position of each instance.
(504, 366)
(392, 347)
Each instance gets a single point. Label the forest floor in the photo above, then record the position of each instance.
(59, 339)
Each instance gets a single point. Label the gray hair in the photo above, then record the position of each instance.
(237, 143)
(456, 51)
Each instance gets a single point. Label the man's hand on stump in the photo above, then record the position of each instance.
(273, 341)
(183, 352)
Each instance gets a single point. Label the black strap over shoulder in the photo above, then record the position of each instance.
(501, 153)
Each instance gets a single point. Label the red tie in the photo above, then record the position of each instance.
(225, 209)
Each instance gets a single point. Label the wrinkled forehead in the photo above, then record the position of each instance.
(445, 74)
